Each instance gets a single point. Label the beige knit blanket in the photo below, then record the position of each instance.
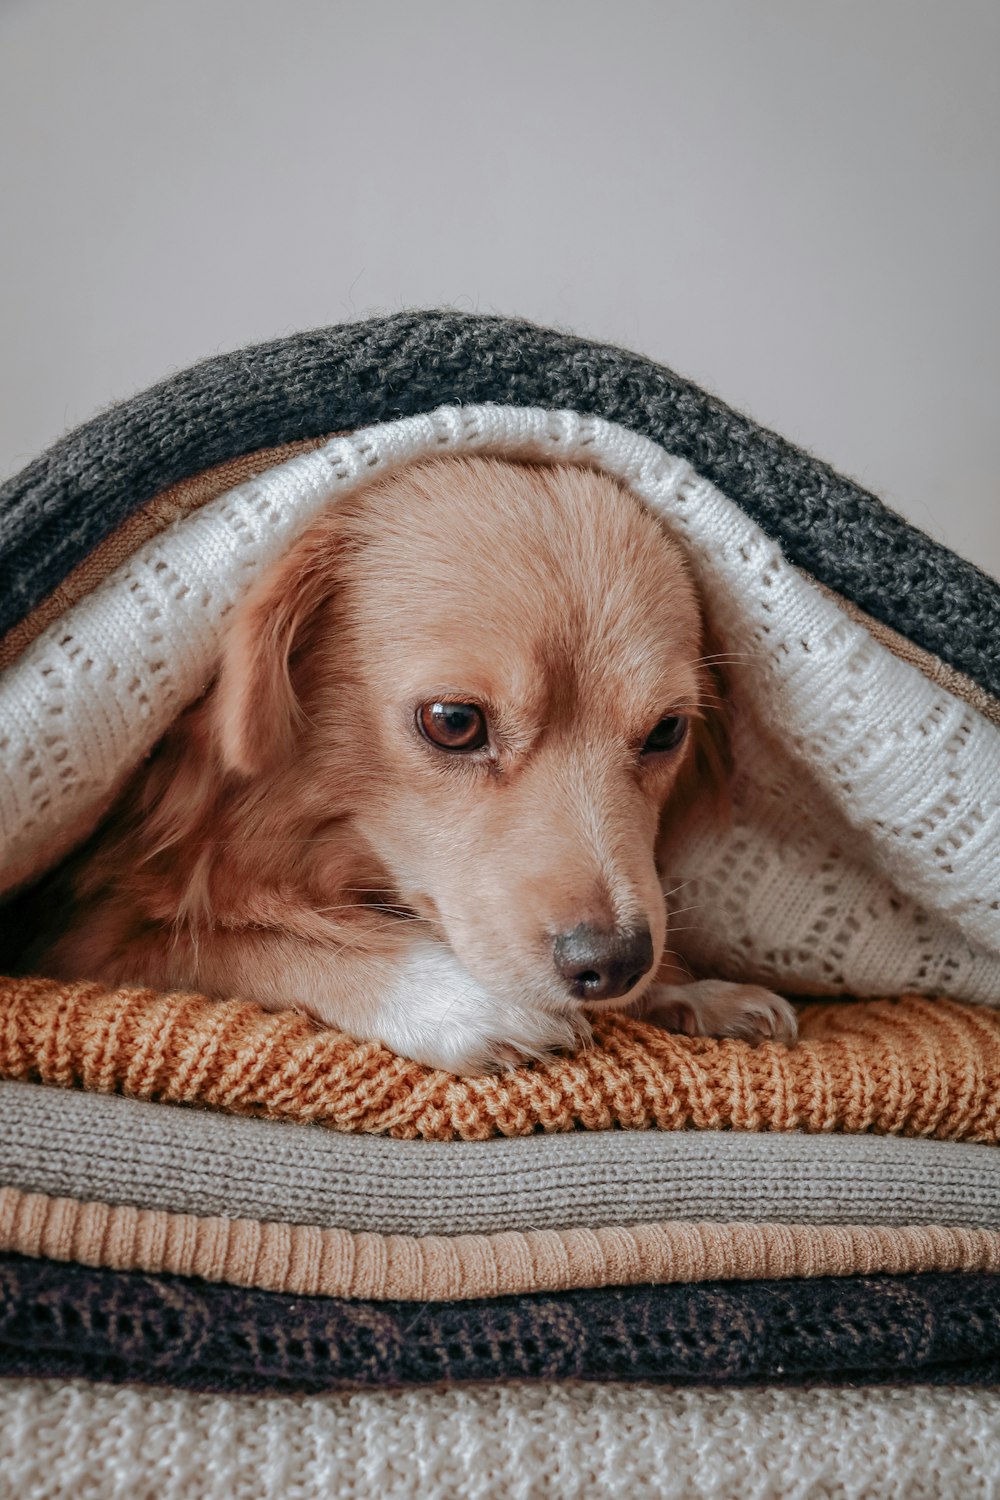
(309, 1261)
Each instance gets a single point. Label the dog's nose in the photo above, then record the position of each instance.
(601, 964)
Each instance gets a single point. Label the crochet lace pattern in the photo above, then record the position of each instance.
(861, 857)
(904, 1067)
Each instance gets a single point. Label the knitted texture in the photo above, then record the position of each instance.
(931, 666)
(906, 1067)
(114, 1150)
(300, 1258)
(140, 526)
(565, 1441)
(864, 848)
(61, 506)
(189, 495)
(68, 1320)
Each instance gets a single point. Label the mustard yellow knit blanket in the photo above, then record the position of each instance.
(907, 1066)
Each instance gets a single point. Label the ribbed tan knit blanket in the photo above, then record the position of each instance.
(906, 1067)
(303, 1259)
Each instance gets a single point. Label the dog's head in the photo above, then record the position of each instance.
(492, 677)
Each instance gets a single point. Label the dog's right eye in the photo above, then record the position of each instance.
(666, 735)
(453, 726)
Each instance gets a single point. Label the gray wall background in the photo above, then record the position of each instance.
(794, 202)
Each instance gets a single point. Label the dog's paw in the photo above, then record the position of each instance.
(714, 1007)
(439, 1015)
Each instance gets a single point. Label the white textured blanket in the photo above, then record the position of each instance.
(60, 1441)
(864, 852)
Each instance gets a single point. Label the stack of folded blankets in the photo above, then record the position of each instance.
(244, 1256)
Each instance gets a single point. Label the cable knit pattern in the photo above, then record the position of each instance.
(332, 379)
(65, 1319)
(864, 852)
(906, 1067)
(565, 1441)
(281, 1257)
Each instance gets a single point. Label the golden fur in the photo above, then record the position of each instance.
(296, 840)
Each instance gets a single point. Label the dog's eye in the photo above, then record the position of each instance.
(453, 726)
(666, 735)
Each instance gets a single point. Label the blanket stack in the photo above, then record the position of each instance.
(240, 1255)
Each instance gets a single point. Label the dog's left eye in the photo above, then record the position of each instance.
(453, 726)
(666, 735)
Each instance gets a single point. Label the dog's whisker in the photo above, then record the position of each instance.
(724, 661)
(682, 962)
(727, 657)
(213, 843)
(377, 908)
(674, 889)
(397, 906)
(323, 911)
(367, 889)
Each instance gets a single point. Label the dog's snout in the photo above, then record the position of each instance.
(600, 963)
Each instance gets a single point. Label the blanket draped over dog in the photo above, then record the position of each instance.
(863, 855)
(665, 1208)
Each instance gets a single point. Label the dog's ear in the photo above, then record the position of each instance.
(256, 711)
(705, 776)
(712, 758)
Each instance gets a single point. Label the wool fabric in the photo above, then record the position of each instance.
(188, 495)
(904, 1067)
(864, 844)
(932, 667)
(566, 1440)
(280, 1257)
(910, 1068)
(66, 502)
(139, 526)
(67, 1320)
(105, 1147)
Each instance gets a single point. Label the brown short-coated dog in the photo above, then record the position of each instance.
(426, 796)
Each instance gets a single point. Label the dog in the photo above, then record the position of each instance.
(426, 797)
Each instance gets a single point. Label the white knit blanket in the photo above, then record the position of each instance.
(864, 851)
(63, 1441)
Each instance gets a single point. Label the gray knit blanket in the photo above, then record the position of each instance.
(67, 501)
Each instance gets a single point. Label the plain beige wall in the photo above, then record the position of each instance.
(794, 202)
